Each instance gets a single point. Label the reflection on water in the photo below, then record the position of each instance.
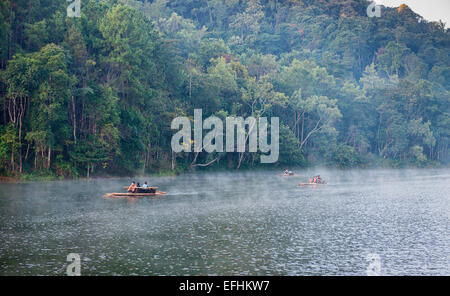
(243, 223)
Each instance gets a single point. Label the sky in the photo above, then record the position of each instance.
(431, 10)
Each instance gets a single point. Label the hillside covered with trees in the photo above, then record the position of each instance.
(95, 95)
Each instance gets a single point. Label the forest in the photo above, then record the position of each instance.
(95, 95)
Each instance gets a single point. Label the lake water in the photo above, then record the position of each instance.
(246, 223)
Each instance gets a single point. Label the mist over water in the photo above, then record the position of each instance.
(245, 223)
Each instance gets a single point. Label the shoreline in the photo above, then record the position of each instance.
(29, 178)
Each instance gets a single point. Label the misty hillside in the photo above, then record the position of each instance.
(95, 95)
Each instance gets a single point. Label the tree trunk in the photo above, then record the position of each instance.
(74, 118)
(4, 112)
(190, 86)
(28, 150)
(378, 134)
(241, 157)
(48, 157)
(12, 160)
(20, 145)
(303, 125)
(173, 161)
(149, 155)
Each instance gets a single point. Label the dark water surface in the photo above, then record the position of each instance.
(247, 223)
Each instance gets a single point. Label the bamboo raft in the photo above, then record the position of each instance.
(130, 194)
(153, 192)
(306, 184)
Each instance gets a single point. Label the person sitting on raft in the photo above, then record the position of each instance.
(288, 173)
(145, 189)
(316, 180)
(132, 187)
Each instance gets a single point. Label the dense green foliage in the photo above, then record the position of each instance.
(96, 94)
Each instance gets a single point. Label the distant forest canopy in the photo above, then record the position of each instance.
(96, 94)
